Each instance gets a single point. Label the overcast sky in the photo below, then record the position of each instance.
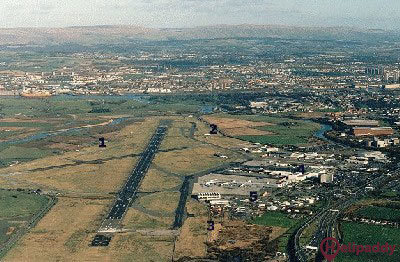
(383, 14)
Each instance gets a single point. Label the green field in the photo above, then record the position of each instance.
(25, 124)
(379, 213)
(23, 153)
(16, 209)
(285, 131)
(364, 234)
(390, 194)
(15, 204)
(275, 219)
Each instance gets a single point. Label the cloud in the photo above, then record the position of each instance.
(46, 7)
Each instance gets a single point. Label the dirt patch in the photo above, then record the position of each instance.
(10, 231)
(237, 239)
(277, 232)
(238, 234)
(5, 128)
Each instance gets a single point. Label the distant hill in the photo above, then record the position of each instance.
(119, 34)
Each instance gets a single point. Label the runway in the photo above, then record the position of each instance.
(111, 224)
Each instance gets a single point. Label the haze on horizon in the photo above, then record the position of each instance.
(189, 13)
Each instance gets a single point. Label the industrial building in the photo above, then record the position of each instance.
(372, 131)
(392, 86)
(326, 178)
(361, 123)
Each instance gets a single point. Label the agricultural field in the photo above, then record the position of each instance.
(365, 234)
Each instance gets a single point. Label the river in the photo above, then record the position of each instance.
(320, 133)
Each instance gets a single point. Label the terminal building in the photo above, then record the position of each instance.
(207, 196)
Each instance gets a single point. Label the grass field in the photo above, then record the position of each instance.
(279, 130)
(163, 202)
(16, 209)
(298, 132)
(87, 172)
(66, 229)
(36, 118)
(276, 219)
(308, 233)
(41, 125)
(73, 221)
(188, 161)
(187, 155)
(192, 239)
(156, 180)
(19, 153)
(236, 127)
(364, 234)
(379, 213)
(136, 219)
(20, 205)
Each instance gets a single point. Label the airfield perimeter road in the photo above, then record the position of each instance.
(129, 190)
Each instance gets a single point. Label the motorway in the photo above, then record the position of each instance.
(129, 191)
(327, 221)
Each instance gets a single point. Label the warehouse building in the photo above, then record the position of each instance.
(372, 131)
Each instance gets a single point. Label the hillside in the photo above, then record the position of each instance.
(120, 34)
